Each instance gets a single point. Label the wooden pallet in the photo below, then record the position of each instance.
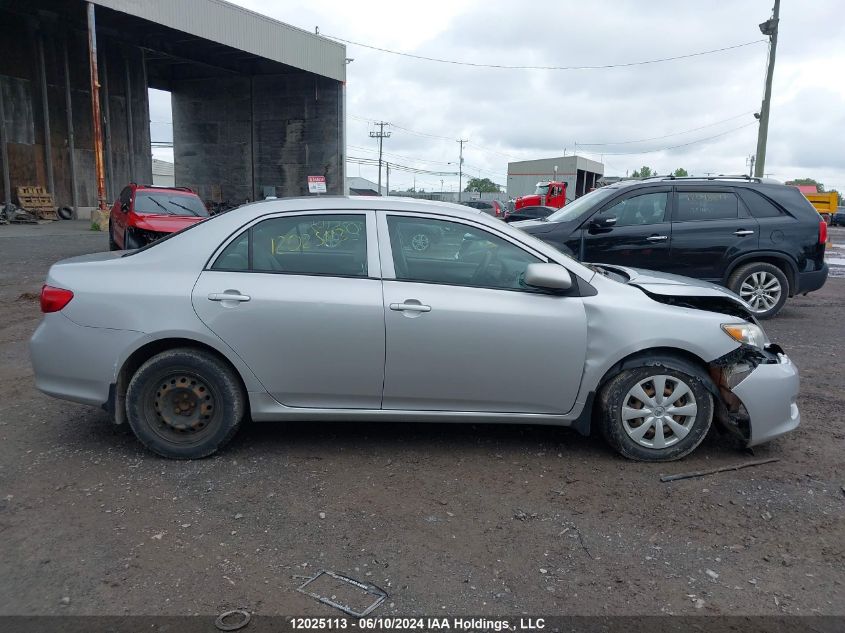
(37, 201)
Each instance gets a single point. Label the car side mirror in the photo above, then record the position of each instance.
(548, 277)
(603, 222)
(124, 206)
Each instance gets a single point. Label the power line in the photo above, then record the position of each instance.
(509, 67)
(657, 138)
(663, 149)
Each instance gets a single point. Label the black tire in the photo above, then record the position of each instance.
(112, 244)
(65, 213)
(612, 399)
(190, 384)
(743, 278)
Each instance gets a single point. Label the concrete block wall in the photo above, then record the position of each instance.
(246, 135)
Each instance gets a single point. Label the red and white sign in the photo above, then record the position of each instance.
(316, 184)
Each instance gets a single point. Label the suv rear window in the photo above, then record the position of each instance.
(759, 206)
(706, 205)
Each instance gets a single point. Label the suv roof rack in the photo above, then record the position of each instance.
(745, 177)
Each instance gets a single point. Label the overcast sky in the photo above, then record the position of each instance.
(525, 114)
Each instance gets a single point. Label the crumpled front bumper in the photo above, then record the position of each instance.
(769, 394)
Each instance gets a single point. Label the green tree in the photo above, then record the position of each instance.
(482, 185)
(680, 172)
(644, 172)
(807, 181)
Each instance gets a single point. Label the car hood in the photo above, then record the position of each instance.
(165, 223)
(535, 226)
(679, 290)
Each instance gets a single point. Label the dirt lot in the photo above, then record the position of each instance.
(447, 519)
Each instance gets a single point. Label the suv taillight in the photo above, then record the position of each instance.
(822, 232)
(54, 299)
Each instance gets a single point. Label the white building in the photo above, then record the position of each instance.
(578, 172)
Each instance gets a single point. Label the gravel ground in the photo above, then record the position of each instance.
(447, 519)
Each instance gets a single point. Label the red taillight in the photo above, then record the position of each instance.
(54, 299)
(822, 232)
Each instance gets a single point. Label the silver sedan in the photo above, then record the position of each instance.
(330, 309)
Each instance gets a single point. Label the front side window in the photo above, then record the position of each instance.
(706, 205)
(648, 208)
(439, 251)
(333, 244)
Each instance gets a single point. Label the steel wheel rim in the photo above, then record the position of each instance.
(420, 242)
(761, 290)
(184, 406)
(659, 411)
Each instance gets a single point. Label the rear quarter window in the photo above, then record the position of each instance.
(759, 205)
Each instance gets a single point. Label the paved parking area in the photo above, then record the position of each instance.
(447, 519)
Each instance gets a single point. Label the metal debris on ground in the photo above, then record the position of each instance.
(240, 623)
(713, 471)
(330, 584)
(12, 214)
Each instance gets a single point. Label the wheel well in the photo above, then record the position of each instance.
(681, 358)
(785, 267)
(146, 352)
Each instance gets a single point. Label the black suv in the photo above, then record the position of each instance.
(764, 241)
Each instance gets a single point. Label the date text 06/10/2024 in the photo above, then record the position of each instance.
(418, 624)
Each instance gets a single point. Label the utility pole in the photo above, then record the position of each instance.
(770, 28)
(380, 135)
(751, 160)
(461, 167)
(387, 168)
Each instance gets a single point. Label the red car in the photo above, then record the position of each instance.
(144, 213)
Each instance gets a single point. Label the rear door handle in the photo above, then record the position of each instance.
(228, 296)
(743, 232)
(657, 238)
(409, 307)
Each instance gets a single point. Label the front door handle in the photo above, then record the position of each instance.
(743, 232)
(409, 307)
(657, 238)
(228, 296)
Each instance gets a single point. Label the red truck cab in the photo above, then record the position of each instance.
(547, 194)
(144, 213)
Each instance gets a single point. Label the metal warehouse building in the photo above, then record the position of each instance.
(578, 172)
(257, 105)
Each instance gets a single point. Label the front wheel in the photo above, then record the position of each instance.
(763, 286)
(655, 413)
(112, 243)
(184, 404)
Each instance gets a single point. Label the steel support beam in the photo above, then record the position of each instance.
(45, 109)
(71, 139)
(4, 154)
(107, 131)
(95, 109)
(130, 132)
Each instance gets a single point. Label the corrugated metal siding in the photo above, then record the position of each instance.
(245, 30)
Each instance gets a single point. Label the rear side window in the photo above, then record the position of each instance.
(333, 245)
(706, 205)
(759, 206)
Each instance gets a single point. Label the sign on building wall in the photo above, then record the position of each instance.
(316, 184)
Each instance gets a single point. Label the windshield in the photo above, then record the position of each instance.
(582, 204)
(541, 190)
(169, 203)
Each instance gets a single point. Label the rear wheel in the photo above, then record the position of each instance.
(763, 286)
(655, 413)
(184, 404)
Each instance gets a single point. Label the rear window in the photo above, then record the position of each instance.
(706, 205)
(169, 203)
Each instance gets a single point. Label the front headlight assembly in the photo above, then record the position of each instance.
(746, 333)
